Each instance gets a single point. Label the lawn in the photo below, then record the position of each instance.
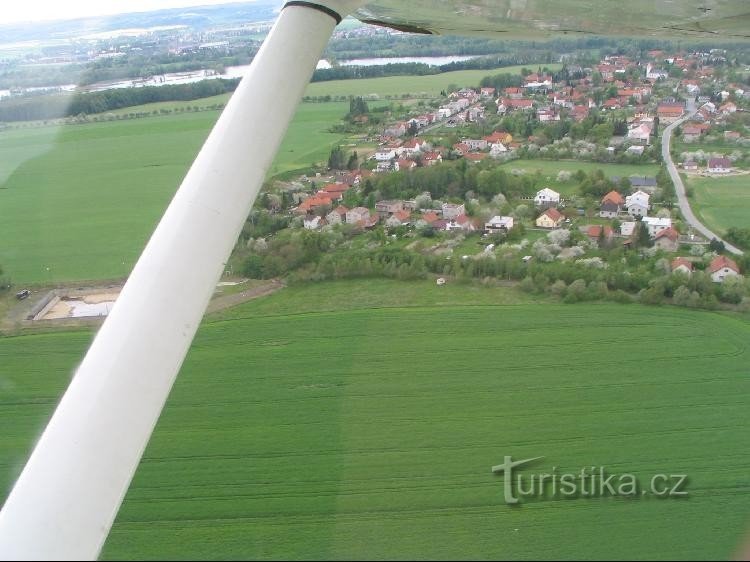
(79, 202)
(361, 419)
(721, 202)
(550, 168)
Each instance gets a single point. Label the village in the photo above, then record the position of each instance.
(614, 113)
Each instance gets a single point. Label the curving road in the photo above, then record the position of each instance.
(679, 187)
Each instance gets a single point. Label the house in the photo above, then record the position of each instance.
(655, 73)
(719, 165)
(728, 108)
(579, 113)
(596, 231)
(636, 150)
(396, 130)
(691, 133)
(453, 210)
(670, 112)
(385, 209)
(667, 239)
(498, 149)
(385, 154)
(682, 265)
(547, 198)
(508, 104)
(336, 190)
(399, 218)
(313, 203)
(732, 135)
(461, 222)
(412, 146)
(637, 204)
(547, 115)
(357, 215)
(430, 217)
(475, 144)
(461, 148)
(337, 216)
(487, 92)
(640, 134)
(475, 156)
(722, 267)
(690, 166)
(514, 93)
(431, 158)
(499, 136)
(313, 222)
(644, 183)
(611, 205)
(498, 224)
(404, 164)
(551, 218)
(656, 224)
(627, 228)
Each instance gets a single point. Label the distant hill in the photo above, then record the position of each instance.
(196, 17)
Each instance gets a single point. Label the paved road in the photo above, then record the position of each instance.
(679, 187)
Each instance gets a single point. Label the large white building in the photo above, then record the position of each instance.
(656, 224)
(637, 204)
(547, 198)
(498, 224)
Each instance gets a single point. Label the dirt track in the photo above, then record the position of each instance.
(15, 317)
(228, 301)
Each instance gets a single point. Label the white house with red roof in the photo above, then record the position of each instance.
(682, 265)
(721, 268)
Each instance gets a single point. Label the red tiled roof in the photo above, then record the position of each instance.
(670, 233)
(335, 187)
(613, 197)
(553, 213)
(721, 262)
(476, 156)
(677, 262)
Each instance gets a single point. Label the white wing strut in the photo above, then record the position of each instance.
(68, 495)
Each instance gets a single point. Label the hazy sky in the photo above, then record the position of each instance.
(35, 10)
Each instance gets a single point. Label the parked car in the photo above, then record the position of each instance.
(20, 295)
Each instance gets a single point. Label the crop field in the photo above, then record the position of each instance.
(721, 202)
(362, 419)
(79, 202)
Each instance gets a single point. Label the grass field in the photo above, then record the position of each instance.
(82, 200)
(550, 168)
(721, 202)
(361, 420)
(398, 85)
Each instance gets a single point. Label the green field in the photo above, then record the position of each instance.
(361, 420)
(430, 85)
(82, 200)
(550, 168)
(721, 202)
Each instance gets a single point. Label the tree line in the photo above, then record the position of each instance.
(68, 105)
